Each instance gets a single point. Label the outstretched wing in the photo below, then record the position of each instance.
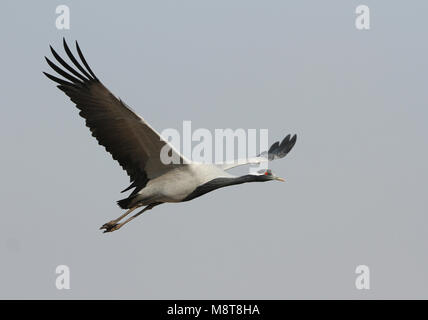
(278, 150)
(128, 137)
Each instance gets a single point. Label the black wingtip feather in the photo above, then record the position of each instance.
(62, 72)
(58, 80)
(280, 150)
(84, 61)
(273, 147)
(75, 62)
(67, 66)
(285, 140)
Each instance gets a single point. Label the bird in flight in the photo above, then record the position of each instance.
(137, 146)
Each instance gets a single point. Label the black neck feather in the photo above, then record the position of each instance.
(224, 182)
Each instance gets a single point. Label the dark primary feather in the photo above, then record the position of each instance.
(66, 65)
(84, 60)
(75, 62)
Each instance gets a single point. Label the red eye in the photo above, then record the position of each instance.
(266, 173)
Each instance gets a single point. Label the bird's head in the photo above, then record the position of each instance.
(267, 175)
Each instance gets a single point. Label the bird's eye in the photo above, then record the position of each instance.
(266, 173)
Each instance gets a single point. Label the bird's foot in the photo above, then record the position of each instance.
(110, 226)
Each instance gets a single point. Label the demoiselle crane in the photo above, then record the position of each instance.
(137, 146)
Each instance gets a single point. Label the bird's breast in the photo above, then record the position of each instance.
(177, 184)
(173, 186)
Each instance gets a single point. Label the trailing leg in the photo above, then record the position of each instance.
(114, 222)
(119, 225)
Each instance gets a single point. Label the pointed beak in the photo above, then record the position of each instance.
(280, 179)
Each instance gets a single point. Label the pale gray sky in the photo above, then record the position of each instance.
(356, 180)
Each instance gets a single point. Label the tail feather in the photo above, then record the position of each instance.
(126, 203)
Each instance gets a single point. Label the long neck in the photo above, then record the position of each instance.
(223, 182)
